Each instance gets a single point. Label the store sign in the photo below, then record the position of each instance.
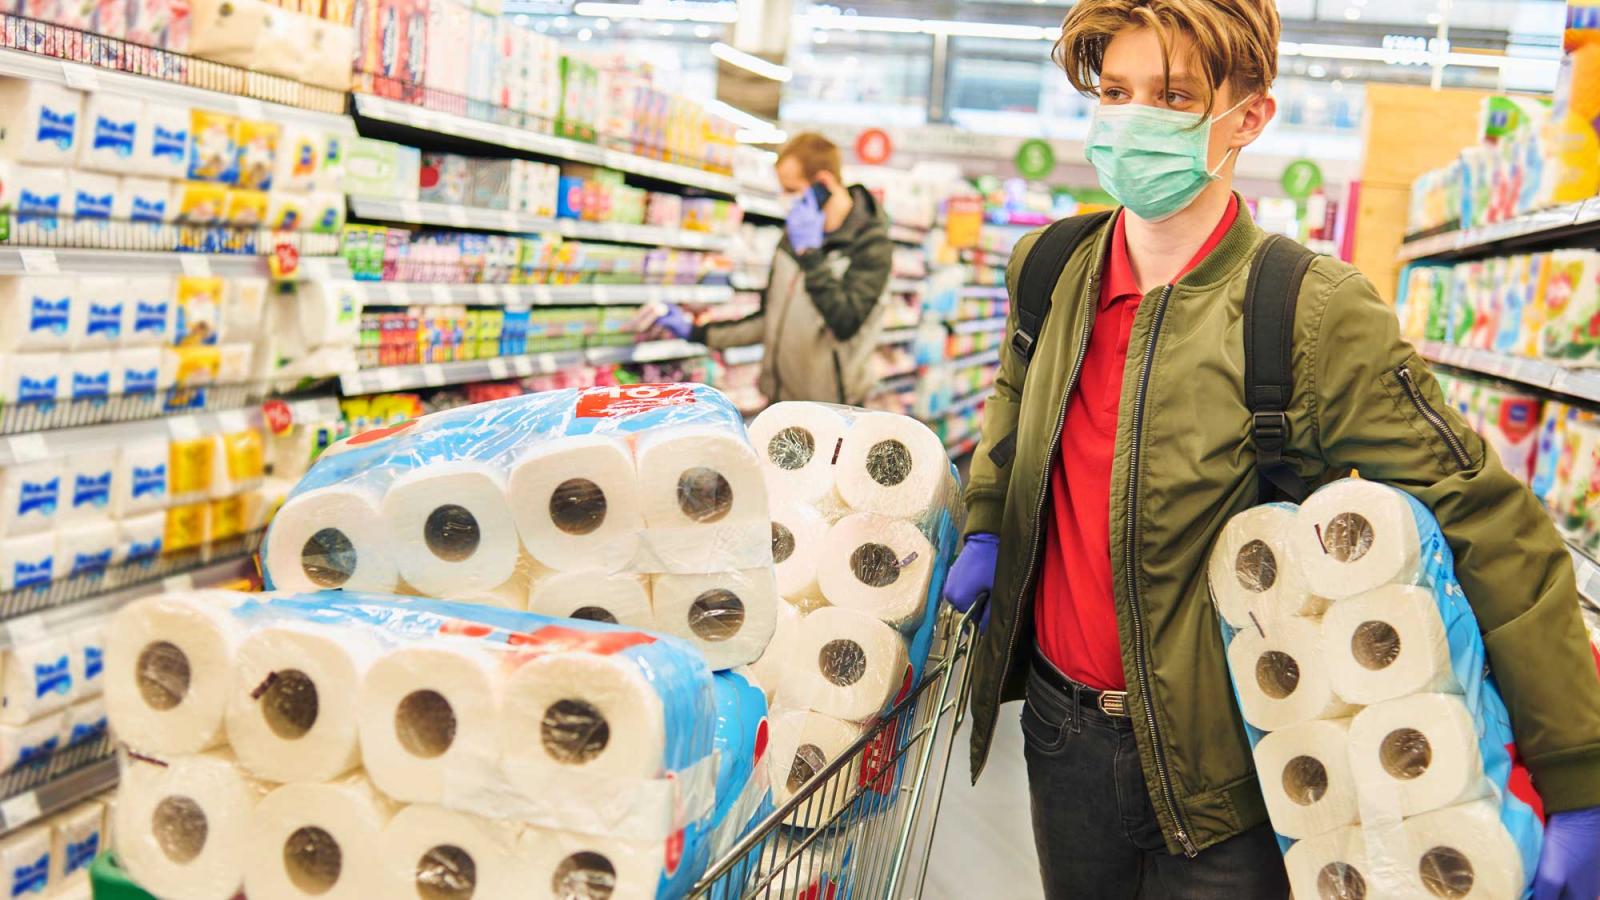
(873, 147)
(963, 221)
(1035, 159)
(277, 415)
(1301, 179)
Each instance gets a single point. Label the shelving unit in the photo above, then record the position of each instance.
(892, 336)
(75, 261)
(1582, 384)
(398, 293)
(454, 216)
(83, 771)
(34, 446)
(1544, 227)
(985, 291)
(426, 375)
(979, 326)
(761, 206)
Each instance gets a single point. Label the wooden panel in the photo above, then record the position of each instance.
(1380, 226)
(1409, 129)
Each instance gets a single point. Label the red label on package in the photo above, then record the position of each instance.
(377, 434)
(276, 414)
(674, 851)
(761, 741)
(558, 639)
(284, 261)
(631, 399)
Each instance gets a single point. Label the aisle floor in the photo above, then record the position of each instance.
(984, 843)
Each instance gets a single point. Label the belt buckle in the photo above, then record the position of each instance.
(1113, 703)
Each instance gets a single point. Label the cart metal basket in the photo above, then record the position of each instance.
(871, 813)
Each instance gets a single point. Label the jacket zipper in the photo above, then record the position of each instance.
(1131, 571)
(1457, 449)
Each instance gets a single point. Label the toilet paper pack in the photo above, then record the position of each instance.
(76, 838)
(25, 862)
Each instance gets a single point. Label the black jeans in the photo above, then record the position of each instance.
(1094, 827)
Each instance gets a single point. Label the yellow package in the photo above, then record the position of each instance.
(286, 211)
(186, 526)
(1572, 133)
(189, 465)
(1535, 313)
(258, 154)
(192, 366)
(244, 208)
(201, 203)
(226, 519)
(198, 310)
(244, 453)
(213, 146)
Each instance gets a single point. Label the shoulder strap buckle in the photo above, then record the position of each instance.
(1270, 430)
(1022, 345)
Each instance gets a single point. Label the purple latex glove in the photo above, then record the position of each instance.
(1569, 866)
(804, 224)
(972, 577)
(675, 322)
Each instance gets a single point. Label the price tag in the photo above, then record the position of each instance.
(195, 265)
(499, 369)
(524, 365)
(613, 232)
(388, 379)
(456, 215)
(26, 629)
(39, 262)
(509, 294)
(183, 428)
(79, 78)
(316, 269)
(440, 293)
(232, 421)
(27, 448)
(397, 293)
(172, 584)
(602, 294)
(251, 108)
(508, 221)
(567, 227)
(542, 294)
(432, 375)
(655, 293)
(486, 294)
(19, 810)
(411, 211)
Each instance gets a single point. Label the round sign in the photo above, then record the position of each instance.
(873, 147)
(277, 415)
(1301, 178)
(1035, 159)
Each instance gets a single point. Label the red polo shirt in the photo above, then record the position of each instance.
(1075, 617)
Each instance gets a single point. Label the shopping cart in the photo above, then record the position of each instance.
(862, 827)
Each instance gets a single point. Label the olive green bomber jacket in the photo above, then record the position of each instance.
(1184, 465)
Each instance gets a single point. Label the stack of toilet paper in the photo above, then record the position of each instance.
(640, 505)
(1381, 746)
(863, 528)
(50, 697)
(342, 744)
(51, 858)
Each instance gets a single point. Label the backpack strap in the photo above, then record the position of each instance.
(1035, 283)
(1270, 295)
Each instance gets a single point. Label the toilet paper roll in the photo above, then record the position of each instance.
(877, 565)
(103, 314)
(1305, 778)
(1417, 753)
(330, 312)
(88, 646)
(1354, 536)
(847, 664)
(111, 132)
(596, 596)
(25, 863)
(576, 503)
(1250, 570)
(184, 828)
(430, 852)
(162, 150)
(86, 487)
(35, 740)
(450, 528)
(892, 465)
(798, 444)
(704, 501)
(568, 864)
(76, 837)
(1333, 866)
(771, 668)
(85, 721)
(152, 299)
(292, 715)
(85, 549)
(1387, 643)
(803, 745)
(169, 665)
(40, 123)
(513, 592)
(32, 378)
(319, 840)
(1464, 852)
(430, 720)
(139, 538)
(27, 561)
(331, 537)
(147, 200)
(136, 370)
(728, 616)
(1282, 677)
(36, 312)
(140, 482)
(798, 536)
(38, 680)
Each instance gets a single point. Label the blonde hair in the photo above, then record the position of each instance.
(814, 153)
(1235, 41)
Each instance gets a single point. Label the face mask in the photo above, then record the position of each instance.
(1152, 160)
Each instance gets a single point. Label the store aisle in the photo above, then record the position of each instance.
(984, 844)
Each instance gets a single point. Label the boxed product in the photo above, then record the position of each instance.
(381, 169)
(40, 122)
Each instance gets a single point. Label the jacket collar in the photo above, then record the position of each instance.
(1231, 254)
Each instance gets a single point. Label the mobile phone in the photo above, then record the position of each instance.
(821, 194)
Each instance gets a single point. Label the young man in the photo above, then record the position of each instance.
(821, 314)
(1132, 449)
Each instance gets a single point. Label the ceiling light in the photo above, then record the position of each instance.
(946, 27)
(749, 62)
(719, 13)
(602, 24)
(738, 116)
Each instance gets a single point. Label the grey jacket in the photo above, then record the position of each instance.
(822, 312)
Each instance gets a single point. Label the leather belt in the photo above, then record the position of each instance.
(1111, 703)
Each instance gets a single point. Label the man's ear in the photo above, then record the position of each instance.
(827, 180)
(1257, 114)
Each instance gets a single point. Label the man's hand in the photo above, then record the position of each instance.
(971, 578)
(804, 224)
(661, 320)
(1569, 866)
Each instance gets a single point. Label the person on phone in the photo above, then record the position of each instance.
(822, 312)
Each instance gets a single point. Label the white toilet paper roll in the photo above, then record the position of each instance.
(38, 680)
(892, 465)
(430, 720)
(1353, 536)
(293, 714)
(798, 536)
(771, 668)
(330, 312)
(798, 444)
(184, 828)
(595, 596)
(30, 496)
(152, 298)
(331, 537)
(136, 370)
(1283, 677)
(85, 549)
(430, 852)
(86, 487)
(450, 528)
(77, 837)
(85, 721)
(513, 592)
(319, 840)
(728, 616)
(576, 503)
(1333, 866)
(847, 664)
(877, 565)
(1387, 643)
(88, 646)
(139, 538)
(1305, 778)
(169, 662)
(703, 500)
(1417, 753)
(25, 863)
(569, 864)
(1464, 852)
(1250, 569)
(28, 561)
(33, 741)
(140, 484)
(803, 744)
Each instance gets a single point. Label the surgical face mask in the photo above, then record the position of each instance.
(1152, 160)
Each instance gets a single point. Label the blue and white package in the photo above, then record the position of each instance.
(38, 680)
(111, 132)
(744, 795)
(41, 122)
(30, 496)
(86, 487)
(1391, 737)
(27, 561)
(36, 313)
(90, 374)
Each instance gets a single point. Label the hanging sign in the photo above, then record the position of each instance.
(1035, 159)
(873, 147)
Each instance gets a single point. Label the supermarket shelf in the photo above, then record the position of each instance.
(962, 448)
(967, 403)
(457, 216)
(398, 113)
(71, 261)
(407, 293)
(982, 358)
(907, 234)
(744, 281)
(23, 418)
(744, 356)
(36, 67)
(401, 378)
(1583, 384)
(907, 286)
(1541, 227)
(1588, 572)
(763, 207)
(896, 384)
(70, 774)
(979, 326)
(893, 336)
(985, 291)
